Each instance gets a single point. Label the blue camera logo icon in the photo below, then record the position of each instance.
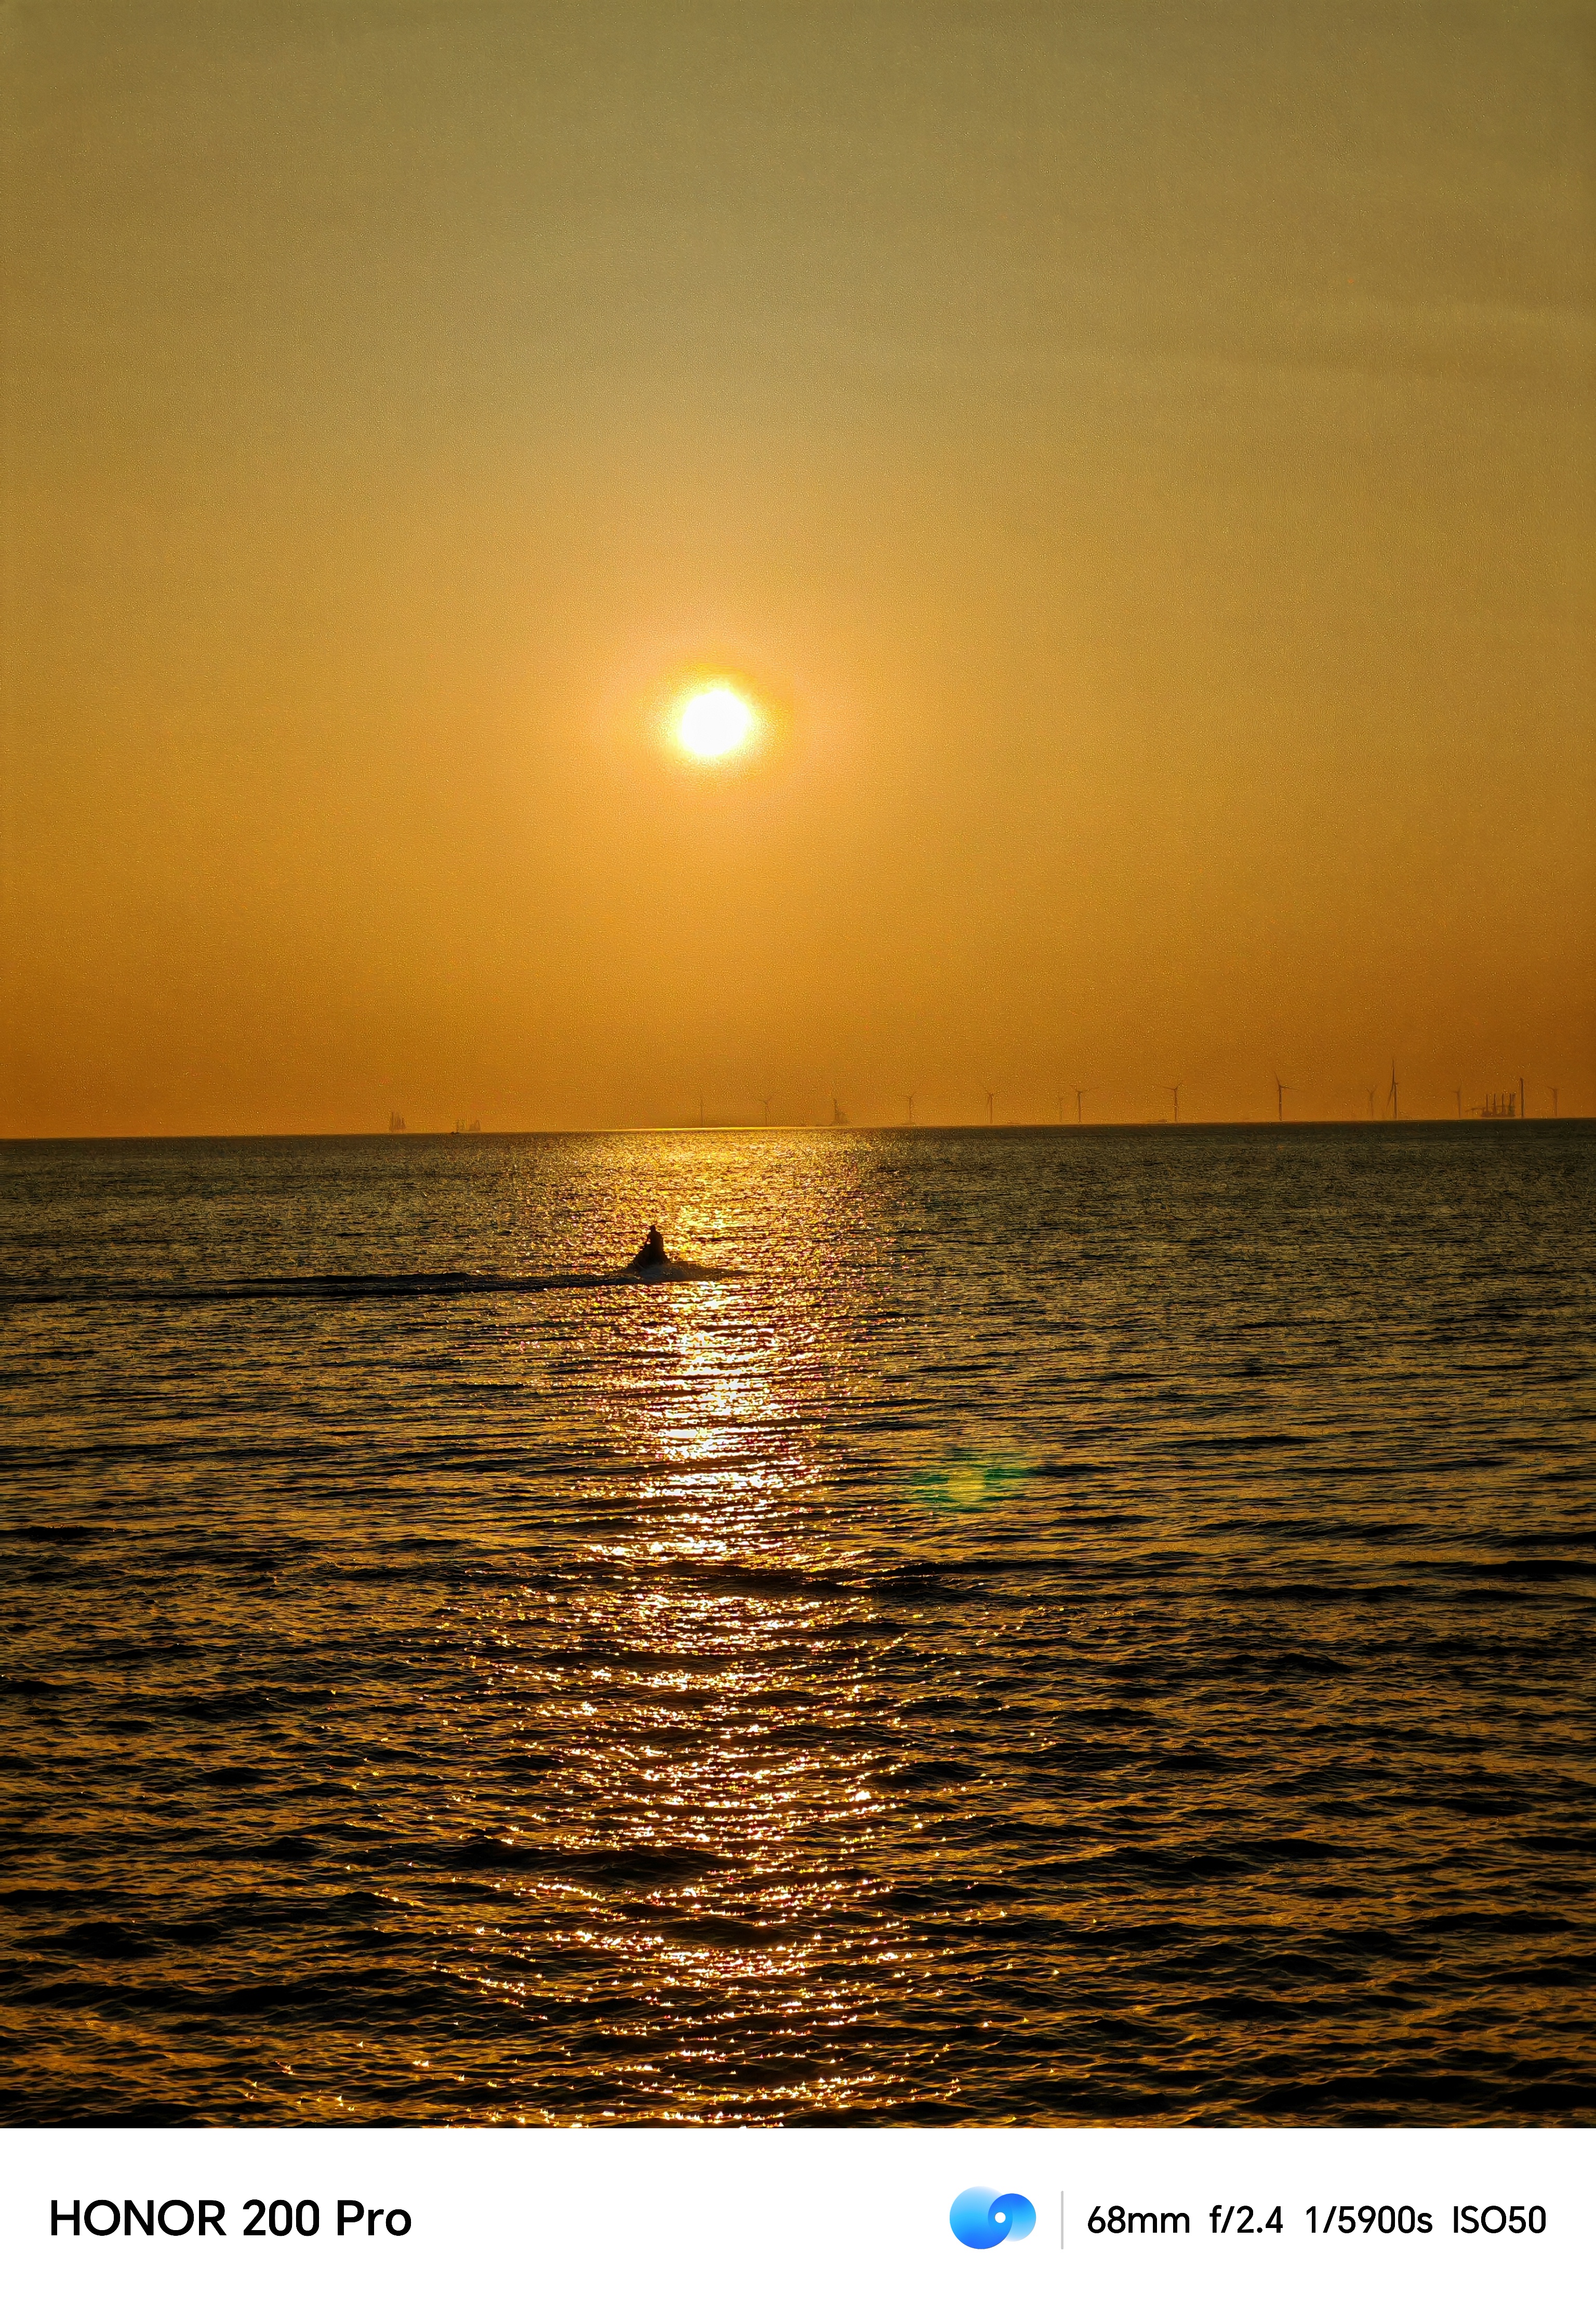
(981, 2217)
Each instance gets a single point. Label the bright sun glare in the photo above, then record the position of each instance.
(715, 723)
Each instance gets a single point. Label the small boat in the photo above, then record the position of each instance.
(653, 1258)
(653, 1262)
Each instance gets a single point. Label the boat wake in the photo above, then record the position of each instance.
(340, 1287)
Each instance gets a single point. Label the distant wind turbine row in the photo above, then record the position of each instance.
(1504, 1105)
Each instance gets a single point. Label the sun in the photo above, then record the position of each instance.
(715, 722)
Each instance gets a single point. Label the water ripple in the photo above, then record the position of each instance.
(1054, 1627)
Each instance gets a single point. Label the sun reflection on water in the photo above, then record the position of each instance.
(705, 1902)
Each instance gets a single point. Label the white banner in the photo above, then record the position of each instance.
(1380, 2218)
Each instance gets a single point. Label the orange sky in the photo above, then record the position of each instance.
(1145, 455)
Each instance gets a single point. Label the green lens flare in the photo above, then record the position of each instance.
(969, 1483)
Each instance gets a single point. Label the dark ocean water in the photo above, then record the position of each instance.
(1069, 1626)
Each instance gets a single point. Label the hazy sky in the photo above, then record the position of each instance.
(1143, 453)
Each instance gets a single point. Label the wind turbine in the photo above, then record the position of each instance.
(1078, 1095)
(764, 1101)
(1280, 1090)
(991, 1097)
(837, 1116)
(1391, 1093)
(1175, 1094)
(909, 1101)
(1554, 1105)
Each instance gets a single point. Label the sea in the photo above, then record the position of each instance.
(1036, 1626)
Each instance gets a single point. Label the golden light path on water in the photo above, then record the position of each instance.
(730, 1779)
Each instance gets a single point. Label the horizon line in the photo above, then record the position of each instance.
(778, 1128)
